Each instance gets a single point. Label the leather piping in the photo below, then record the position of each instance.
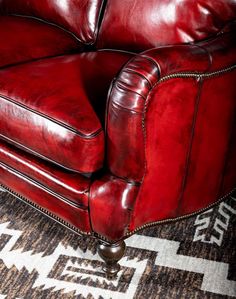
(190, 146)
(150, 224)
(48, 23)
(21, 146)
(32, 59)
(169, 220)
(51, 192)
(45, 212)
(44, 116)
(98, 236)
(99, 21)
(116, 50)
(197, 75)
(95, 32)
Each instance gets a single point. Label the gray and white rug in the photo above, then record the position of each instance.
(192, 258)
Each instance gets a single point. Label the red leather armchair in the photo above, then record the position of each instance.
(117, 115)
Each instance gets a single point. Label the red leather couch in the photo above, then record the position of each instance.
(117, 115)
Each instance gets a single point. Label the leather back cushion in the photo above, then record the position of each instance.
(77, 16)
(143, 24)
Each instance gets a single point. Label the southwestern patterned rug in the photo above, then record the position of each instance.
(192, 258)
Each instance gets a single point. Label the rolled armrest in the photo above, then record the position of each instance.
(170, 125)
(128, 103)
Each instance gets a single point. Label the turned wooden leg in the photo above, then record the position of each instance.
(111, 254)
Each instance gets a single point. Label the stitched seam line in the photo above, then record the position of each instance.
(96, 235)
(32, 152)
(189, 148)
(82, 135)
(99, 22)
(197, 74)
(49, 23)
(38, 59)
(51, 192)
(169, 220)
(175, 75)
(47, 213)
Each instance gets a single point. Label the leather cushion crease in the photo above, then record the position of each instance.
(116, 115)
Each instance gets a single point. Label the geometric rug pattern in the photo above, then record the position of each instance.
(191, 258)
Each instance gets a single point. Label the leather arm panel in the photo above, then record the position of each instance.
(190, 133)
(128, 98)
(166, 111)
(110, 205)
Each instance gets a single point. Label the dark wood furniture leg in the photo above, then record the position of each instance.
(111, 254)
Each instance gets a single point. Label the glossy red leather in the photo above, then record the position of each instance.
(139, 25)
(33, 40)
(230, 165)
(36, 193)
(68, 130)
(216, 117)
(68, 185)
(189, 138)
(169, 121)
(128, 102)
(111, 202)
(77, 16)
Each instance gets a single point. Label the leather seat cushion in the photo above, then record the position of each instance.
(24, 39)
(46, 107)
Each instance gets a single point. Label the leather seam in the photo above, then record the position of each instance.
(59, 123)
(51, 192)
(144, 123)
(98, 236)
(190, 146)
(116, 50)
(99, 21)
(170, 220)
(32, 152)
(49, 214)
(38, 59)
(48, 23)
